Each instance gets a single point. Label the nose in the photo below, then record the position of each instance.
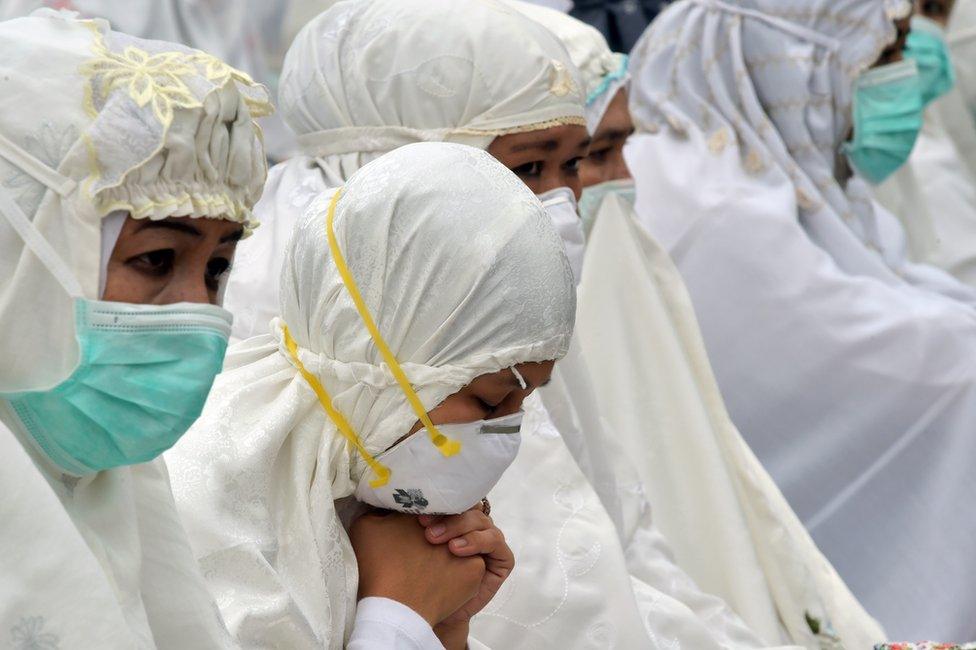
(188, 286)
(562, 178)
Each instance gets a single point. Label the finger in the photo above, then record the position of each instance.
(457, 525)
(478, 542)
(429, 520)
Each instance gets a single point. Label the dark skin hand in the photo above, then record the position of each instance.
(178, 259)
(544, 159)
(605, 161)
(425, 577)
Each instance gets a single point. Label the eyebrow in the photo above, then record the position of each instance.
(187, 229)
(545, 145)
(613, 135)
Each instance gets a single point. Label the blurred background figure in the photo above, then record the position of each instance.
(934, 193)
(621, 21)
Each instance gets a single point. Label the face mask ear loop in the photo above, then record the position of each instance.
(40, 247)
(22, 224)
(446, 446)
(519, 377)
(342, 424)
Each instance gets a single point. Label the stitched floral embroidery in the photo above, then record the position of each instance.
(159, 80)
(561, 81)
(29, 634)
(410, 499)
(149, 79)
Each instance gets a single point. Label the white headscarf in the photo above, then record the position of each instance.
(603, 71)
(368, 76)
(95, 122)
(844, 366)
(464, 276)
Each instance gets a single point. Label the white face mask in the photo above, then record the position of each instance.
(424, 481)
(560, 205)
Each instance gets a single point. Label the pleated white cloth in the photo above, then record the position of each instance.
(729, 525)
(845, 366)
(94, 122)
(368, 76)
(464, 275)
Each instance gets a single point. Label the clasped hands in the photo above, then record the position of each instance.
(446, 568)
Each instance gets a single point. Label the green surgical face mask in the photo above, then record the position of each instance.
(593, 197)
(927, 45)
(143, 377)
(887, 119)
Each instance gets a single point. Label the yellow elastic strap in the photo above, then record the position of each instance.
(446, 446)
(382, 471)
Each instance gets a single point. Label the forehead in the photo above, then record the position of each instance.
(552, 139)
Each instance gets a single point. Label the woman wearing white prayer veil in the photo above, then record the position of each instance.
(730, 527)
(574, 576)
(423, 288)
(127, 172)
(846, 368)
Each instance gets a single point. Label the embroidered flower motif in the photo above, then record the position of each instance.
(29, 634)
(411, 499)
(149, 79)
(159, 80)
(561, 81)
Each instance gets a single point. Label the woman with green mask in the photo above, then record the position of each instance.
(846, 367)
(934, 194)
(128, 169)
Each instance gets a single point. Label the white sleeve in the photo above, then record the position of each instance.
(384, 624)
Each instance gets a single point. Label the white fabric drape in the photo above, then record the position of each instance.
(729, 525)
(845, 367)
(101, 560)
(962, 42)
(464, 276)
(603, 71)
(366, 77)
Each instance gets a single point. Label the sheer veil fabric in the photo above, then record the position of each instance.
(844, 365)
(464, 276)
(101, 560)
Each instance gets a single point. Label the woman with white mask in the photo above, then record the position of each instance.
(395, 374)
(730, 527)
(127, 172)
(573, 576)
(845, 366)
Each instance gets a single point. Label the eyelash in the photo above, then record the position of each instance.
(534, 169)
(598, 156)
(217, 268)
(529, 170)
(155, 263)
(159, 263)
